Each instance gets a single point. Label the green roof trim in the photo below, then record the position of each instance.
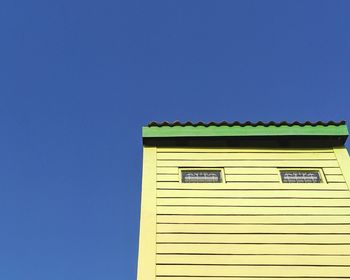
(231, 131)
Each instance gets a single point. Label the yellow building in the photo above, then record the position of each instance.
(245, 201)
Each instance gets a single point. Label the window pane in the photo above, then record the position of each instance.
(300, 176)
(201, 176)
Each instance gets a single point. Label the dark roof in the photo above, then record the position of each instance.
(247, 123)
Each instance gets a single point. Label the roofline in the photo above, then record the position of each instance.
(335, 130)
(247, 123)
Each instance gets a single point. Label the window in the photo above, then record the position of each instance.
(201, 176)
(301, 176)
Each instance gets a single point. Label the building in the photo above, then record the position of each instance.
(245, 201)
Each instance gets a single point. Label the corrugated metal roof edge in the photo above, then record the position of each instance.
(248, 129)
(247, 123)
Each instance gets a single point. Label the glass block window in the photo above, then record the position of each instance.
(201, 176)
(301, 176)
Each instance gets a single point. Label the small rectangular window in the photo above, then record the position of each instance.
(301, 176)
(201, 176)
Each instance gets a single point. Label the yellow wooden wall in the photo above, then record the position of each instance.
(250, 227)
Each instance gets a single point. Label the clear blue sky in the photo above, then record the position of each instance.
(79, 79)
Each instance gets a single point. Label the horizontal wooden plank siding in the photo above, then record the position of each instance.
(252, 259)
(247, 170)
(184, 193)
(252, 186)
(260, 249)
(252, 238)
(332, 171)
(266, 202)
(249, 163)
(247, 278)
(268, 229)
(256, 211)
(242, 150)
(251, 226)
(246, 156)
(335, 178)
(233, 219)
(253, 270)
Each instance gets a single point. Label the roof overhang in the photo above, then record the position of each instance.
(246, 134)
